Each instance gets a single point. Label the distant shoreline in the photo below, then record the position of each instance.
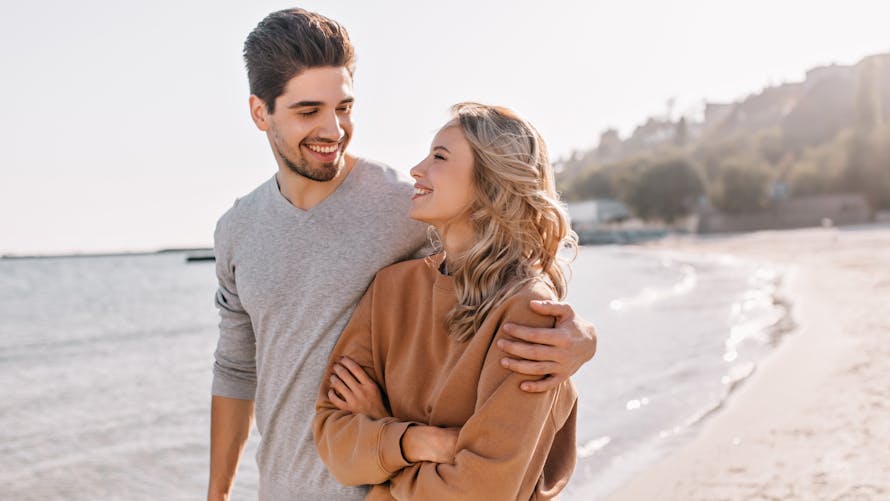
(606, 237)
(108, 254)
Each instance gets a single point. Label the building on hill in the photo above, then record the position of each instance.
(819, 74)
(716, 113)
(591, 214)
(609, 148)
(608, 221)
(873, 90)
(764, 109)
(649, 135)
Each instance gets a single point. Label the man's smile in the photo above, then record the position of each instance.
(326, 152)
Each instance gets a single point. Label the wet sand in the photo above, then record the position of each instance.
(813, 422)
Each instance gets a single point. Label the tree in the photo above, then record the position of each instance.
(868, 167)
(741, 187)
(820, 169)
(770, 145)
(711, 154)
(665, 190)
(593, 183)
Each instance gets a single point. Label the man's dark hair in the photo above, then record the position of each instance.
(288, 42)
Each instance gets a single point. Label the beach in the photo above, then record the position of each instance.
(813, 421)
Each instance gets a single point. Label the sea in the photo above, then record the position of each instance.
(105, 367)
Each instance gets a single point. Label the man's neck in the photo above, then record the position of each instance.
(304, 193)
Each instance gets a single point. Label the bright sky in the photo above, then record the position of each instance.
(125, 124)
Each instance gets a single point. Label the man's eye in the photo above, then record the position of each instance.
(345, 109)
(308, 113)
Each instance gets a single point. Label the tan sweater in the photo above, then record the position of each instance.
(512, 444)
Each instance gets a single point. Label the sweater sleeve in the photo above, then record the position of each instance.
(506, 440)
(234, 369)
(357, 449)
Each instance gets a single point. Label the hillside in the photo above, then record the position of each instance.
(827, 134)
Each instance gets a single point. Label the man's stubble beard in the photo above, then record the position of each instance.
(327, 172)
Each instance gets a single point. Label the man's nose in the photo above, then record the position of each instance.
(331, 128)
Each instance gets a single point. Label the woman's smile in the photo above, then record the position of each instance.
(420, 190)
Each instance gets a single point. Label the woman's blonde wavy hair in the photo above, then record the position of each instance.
(517, 218)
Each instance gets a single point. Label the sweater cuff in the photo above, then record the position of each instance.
(390, 446)
(223, 386)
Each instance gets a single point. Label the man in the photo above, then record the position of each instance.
(295, 255)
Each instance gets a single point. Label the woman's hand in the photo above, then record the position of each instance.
(353, 391)
(429, 443)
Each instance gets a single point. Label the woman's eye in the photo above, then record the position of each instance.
(438, 156)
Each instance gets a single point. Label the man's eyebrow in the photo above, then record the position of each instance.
(305, 104)
(313, 104)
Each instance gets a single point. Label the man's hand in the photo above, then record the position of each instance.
(352, 390)
(555, 353)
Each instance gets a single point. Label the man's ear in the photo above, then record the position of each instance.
(259, 113)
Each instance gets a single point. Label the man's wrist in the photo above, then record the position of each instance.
(217, 494)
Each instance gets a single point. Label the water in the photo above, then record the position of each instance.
(676, 334)
(105, 366)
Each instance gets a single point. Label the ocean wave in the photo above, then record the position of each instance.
(650, 295)
(591, 447)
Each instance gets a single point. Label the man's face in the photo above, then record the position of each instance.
(312, 122)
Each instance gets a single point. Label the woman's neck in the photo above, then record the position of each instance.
(456, 240)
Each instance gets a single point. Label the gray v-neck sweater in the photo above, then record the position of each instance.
(289, 280)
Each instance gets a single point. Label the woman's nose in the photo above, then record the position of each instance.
(416, 170)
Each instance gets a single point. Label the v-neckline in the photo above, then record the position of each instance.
(305, 214)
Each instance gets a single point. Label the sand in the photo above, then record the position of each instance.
(813, 422)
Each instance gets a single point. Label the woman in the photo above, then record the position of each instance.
(453, 423)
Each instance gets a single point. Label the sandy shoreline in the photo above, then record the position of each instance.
(813, 422)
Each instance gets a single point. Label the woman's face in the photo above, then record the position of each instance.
(444, 180)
